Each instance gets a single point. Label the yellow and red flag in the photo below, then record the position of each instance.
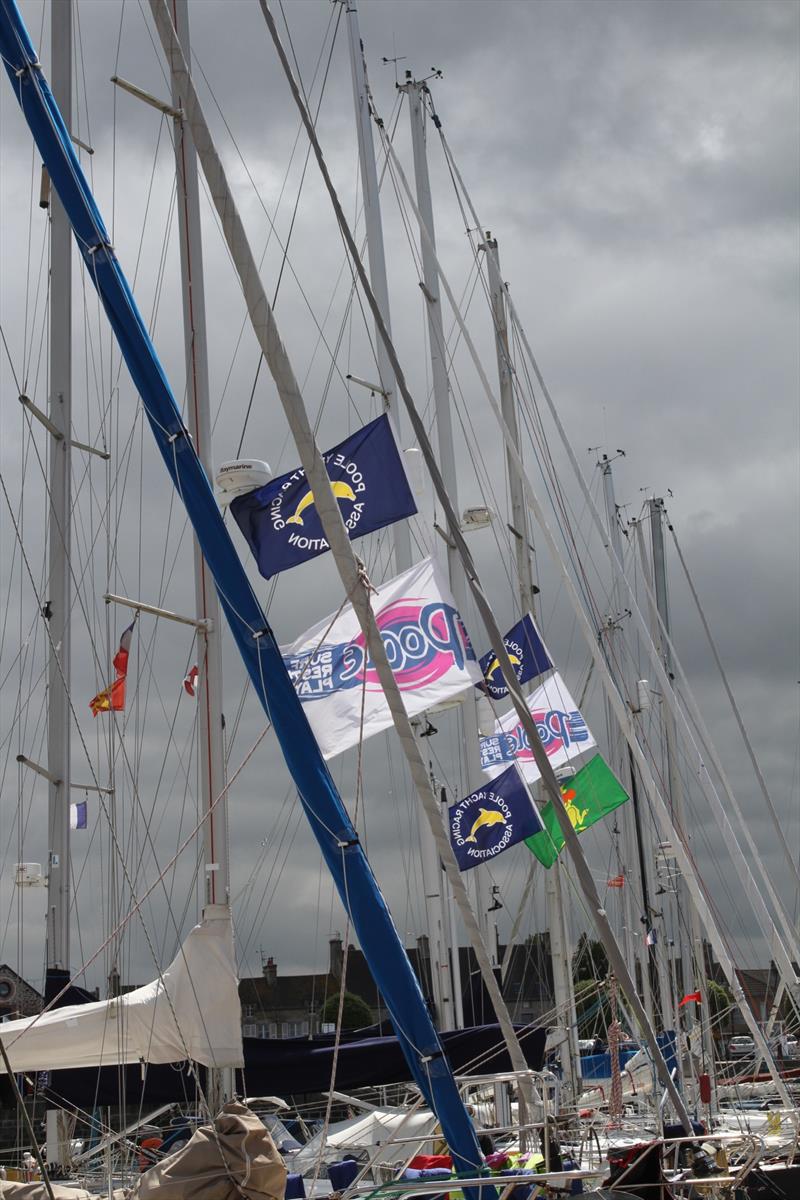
(112, 698)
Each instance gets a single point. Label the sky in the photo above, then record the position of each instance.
(638, 163)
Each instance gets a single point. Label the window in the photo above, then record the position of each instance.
(295, 1029)
(248, 1010)
(249, 1031)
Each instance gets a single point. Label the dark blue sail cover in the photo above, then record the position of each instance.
(323, 806)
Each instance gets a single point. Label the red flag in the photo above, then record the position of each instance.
(112, 698)
(617, 882)
(690, 996)
(190, 683)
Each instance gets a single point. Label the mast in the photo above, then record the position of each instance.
(209, 696)
(445, 972)
(691, 947)
(631, 824)
(377, 258)
(60, 523)
(415, 90)
(560, 949)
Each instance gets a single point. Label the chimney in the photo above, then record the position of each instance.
(270, 970)
(336, 957)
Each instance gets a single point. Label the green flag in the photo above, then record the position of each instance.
(588, 796)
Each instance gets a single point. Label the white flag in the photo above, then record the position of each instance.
(427, 646)
(561, 727)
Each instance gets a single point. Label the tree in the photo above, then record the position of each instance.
(356, 1013)
(720, 1002)
(589, 961)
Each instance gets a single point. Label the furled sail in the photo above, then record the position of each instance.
(191, 1011)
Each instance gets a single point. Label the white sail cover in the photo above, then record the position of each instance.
(199, 988)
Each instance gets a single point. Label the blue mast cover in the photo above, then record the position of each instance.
(323, 806)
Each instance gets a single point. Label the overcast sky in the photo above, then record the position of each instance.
(638, 163)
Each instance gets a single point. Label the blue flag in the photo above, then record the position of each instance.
(280, 519)
(491, 819)
(528, 658)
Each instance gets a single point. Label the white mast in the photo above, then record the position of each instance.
(560, 949)
(445, 973)
(444, 426)
(445, 976)
(621, 759)
(60, 475)
(209, 696)
(377, 259)
(691, 946)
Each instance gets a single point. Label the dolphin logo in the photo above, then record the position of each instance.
(487, 819)
(341, 490)
(494, 665)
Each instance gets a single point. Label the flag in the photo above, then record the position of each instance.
(562, 729)
(695, 996)
(589, 795)
(77, 815)
(426, 643)
(190, 683)
(280, 520)
(491, 819)
(112, 698)
(651, 938)
(617, 882)
(528, 655)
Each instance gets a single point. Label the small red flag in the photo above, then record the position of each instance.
(190, 683)
(690, 996)
(617, 882)
(112, 698)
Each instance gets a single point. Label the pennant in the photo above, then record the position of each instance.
(280, 519)
(689, 997)
(77, 815)
(617, 882)
(190, 683)
(651, 938)
(528, 656)
(112, 698)
(560, 726)
(427, 646)
(589, 795)
(491, 819)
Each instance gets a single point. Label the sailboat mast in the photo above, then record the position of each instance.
(560, 949)
(631, 825)
(445, 976)
(209, 682)
(415, 90)
(691, 942)
(59, 596)
(377, 259)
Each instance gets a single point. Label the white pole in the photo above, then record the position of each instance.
(636, 883)
(446, 980)
(60, 592)
(209, 696)
(377, 258)
(560, 948)
(444, 428)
